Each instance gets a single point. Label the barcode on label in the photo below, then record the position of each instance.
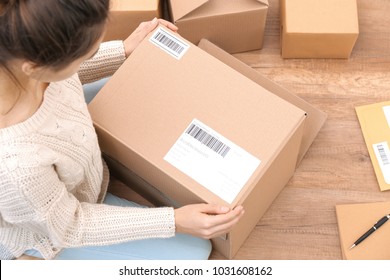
(168, 42)
(208, 140)
(382, 154)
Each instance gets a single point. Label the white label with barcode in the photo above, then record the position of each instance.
(169, 43)
(382, 153)
(386, 111)
(212, 160)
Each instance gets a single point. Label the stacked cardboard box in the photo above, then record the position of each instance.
(181, 125)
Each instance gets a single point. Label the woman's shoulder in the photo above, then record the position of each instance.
(24, 154)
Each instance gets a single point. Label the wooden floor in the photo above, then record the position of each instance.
(301, 223)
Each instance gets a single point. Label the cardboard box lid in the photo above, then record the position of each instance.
(315, 118)
(320, 16)
(151, 82)
(134, 5)
(198, 8)
(354, 220)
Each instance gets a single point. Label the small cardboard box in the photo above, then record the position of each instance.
(181, 126)
(318, 28)
(126, 15)
(234, 25)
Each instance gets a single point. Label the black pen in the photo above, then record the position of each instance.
(371, 230)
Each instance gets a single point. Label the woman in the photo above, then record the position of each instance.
(54, 202)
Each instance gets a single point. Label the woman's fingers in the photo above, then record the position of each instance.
(206, 220)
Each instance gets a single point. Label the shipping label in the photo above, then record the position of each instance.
(169, 43)
(212, 160)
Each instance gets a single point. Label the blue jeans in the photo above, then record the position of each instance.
(179, 247)
(91, 89)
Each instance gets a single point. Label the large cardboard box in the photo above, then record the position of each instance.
(126, 15)
(234, 25)
(318, 28)
(181, 126)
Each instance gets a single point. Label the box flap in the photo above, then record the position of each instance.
(223, 8)
(315, 118)
(265, 2)
(179, 8)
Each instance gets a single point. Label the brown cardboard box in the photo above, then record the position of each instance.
(126, 15)
(234, 25)
(354, 220)
(314, 118)
(318, 28)
(142, 113)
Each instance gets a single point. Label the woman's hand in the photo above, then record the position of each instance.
(206, 220)
(142, 31)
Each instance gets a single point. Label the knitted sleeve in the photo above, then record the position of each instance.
(37, 200)
(104, 63)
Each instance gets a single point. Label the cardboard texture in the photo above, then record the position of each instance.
(318, 28)
(234, 25)
(354, 220)
(126, 15)
(374, 121)
(315, 118)
(153, 98)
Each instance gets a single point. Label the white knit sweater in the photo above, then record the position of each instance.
(52, 179)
